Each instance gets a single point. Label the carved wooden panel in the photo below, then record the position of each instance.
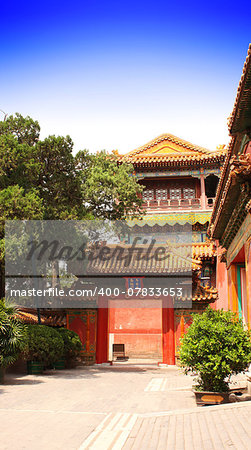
(148, 194)
(161, 194)
(188, 193)
(175, 194)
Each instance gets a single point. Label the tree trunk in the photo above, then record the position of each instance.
(55, 282)
(2, 280)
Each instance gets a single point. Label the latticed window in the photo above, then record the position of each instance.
(188, 193)
(161, 194)
(148, 194)
(175, 194)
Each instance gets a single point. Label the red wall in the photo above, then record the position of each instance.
(221, 283)
(139, 329)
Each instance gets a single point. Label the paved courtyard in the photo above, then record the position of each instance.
(134, 405)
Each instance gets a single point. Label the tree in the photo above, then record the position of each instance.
(215, 346)
(58, 182)
(12, 335)
(43, 180)
(69, 188)
(72, 344)
(38, 179)
(15, 204)
(44, 344)
(18, 163)
(47, 166)
(24, 129)
(110, 189)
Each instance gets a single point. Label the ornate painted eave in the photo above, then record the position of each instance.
(232, 208)
(200, 294)
(172, 219)
(229, 207)
(170, 151)
(240, 118)
(204, 250)
(203, 294)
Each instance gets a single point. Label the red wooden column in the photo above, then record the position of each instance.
(168, 344)
(203, 192)
(102, 333)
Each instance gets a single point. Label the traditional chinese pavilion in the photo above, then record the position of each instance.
(231, 219)
(180, 181)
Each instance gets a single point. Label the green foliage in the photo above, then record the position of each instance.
(215, 346)
(18, 163)
(43, 180)
(25, 129)
(16, 204)
(69, 188)
(46, 168)
(12, 334)
(38, 179)
(110, 190)
(86, 186)
(44, 344)
(72, 343)
(59, 181)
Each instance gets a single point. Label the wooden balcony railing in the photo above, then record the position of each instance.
(193, 203)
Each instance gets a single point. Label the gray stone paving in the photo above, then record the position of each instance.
(127, 405)
(214, 427)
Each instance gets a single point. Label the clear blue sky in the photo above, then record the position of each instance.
(116, 74)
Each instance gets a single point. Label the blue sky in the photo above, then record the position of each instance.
(115, 75)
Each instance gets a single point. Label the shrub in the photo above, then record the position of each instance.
(215, 346)
(44, 344)
(72, 343)
(12, 334)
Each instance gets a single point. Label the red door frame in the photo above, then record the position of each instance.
(168, 335)
(102, 332)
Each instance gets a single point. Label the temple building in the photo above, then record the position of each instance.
(180, 181)
(230, 223)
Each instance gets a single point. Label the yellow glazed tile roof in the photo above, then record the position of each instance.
(179, 258)
(51, 318)
(167, 148)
